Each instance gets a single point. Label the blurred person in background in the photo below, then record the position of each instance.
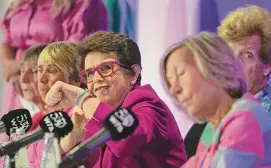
(204, 75)
(29, 81)
(29, 84)
(112, 72)
(247, 30)
(30, 22)
(193, 135)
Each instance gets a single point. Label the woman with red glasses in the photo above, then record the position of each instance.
(112, 64)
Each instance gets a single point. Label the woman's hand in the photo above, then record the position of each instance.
(90, 106)
(14, 5)
(11, 69)
(12, 75)
(58, 6)
(74, 137)
(15, 82)
(78, 118)
(62, 95)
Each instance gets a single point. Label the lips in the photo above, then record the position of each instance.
(100, 88)
(182, 100)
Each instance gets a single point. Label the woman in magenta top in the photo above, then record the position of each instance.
(29, 22)
(112, 64)
(203, 74)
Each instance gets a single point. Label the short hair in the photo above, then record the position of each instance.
(215, 61)
(125, 48)
(63, 55)
(245, 22)
(32, 52)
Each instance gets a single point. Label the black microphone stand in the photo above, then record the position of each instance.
(80, 164)
(12, 163)
(11, 156)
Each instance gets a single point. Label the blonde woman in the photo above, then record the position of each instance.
(248, 32)
(56, 62)
(205, 77)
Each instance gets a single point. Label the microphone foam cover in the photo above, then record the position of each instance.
(121, 123)
(18, 118)
(57, 122)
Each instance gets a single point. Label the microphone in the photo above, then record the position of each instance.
(118, 125)
(19, 118)
(57, 122)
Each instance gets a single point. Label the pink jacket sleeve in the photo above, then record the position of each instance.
(85, 18)
(142, 136)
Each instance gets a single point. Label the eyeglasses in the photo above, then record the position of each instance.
(105, 69)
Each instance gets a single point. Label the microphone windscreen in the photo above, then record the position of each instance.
(57, 122)
(18, 118)
(121, 124)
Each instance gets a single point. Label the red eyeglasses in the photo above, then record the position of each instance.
(105, 69)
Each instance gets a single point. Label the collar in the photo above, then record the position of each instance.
(264, 92)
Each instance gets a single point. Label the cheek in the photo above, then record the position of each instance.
(90, 87)
(259, 68)
(35, 78)
(255, 70)
(21, 79)
(117, 82)
(39, 83)
(247, 67)
(198, 90)
(191, 86)
(200, 97)
(54, 78)
(34, 85)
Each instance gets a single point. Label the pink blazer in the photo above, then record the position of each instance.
(156, 142)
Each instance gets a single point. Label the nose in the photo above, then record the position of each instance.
(42, 78)
(97, 78)
(175, 88)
